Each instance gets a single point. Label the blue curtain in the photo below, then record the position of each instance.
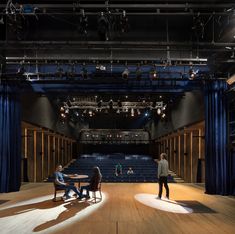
(218, 174)
(10, 139)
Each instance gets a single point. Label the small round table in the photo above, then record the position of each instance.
(79, 177)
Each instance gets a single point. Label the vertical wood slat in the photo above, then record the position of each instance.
(42, 135)
(179, 152)
(48, 154)
(191, 156)
(35, 155)
(185, 155)
(54, 163)
(26, 143)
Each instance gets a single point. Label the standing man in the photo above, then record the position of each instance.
(59, 182)
(162, 175)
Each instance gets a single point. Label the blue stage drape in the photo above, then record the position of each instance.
(218, 174)
(10, 139)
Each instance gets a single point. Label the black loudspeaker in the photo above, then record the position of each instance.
(199, 171)
(25, 170)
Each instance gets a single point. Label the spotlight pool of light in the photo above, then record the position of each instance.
(42, 215)
(162, 204)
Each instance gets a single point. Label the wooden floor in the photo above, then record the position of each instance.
(32, 211)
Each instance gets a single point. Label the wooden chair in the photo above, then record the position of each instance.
(56, 188)
(94, 193)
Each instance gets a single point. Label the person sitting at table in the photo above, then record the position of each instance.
(61, 184)
(93, 184)
(118, 169)
(130, 171)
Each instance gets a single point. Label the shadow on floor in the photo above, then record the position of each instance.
(72, 209)
(196, 206)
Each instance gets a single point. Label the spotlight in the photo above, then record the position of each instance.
(132, 112)
(66, 111)
(153, 73)
(192, 74)
(125, 73)
(159, 111)
(163, 115)
(146, 114)
(63, 115)
(61, 108)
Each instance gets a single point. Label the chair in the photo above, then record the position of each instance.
(97, 190)
(57, 189)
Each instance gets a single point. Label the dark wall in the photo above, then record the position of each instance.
(189, 110)
(40, 110)
(112, 148)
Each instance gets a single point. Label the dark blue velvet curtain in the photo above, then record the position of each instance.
(218, 175)
(10, 139)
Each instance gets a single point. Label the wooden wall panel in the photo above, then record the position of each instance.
(184, 148)
(38, 156)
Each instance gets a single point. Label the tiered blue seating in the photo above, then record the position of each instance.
(144, 167)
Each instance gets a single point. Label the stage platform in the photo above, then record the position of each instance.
(125, 209)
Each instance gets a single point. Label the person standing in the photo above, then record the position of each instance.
(162, 175)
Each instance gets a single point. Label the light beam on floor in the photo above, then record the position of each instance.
(164, 204)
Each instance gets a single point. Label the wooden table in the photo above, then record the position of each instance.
(79, 177)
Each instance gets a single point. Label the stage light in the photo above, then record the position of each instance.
(163, 115)
(146, 114)
(125, 73)
(138, 112)
(153, 73)
(63, 115)
(61, 108)
(66, 111)
(192, 73)
(159, 111)
(231, 80)
(76, 113)
(132, 112)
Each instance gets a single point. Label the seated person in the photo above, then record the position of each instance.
(93, 184)
(118, 169)
(59, 182)
(130, 171)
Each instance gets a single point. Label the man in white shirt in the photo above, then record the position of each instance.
(162, 175)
